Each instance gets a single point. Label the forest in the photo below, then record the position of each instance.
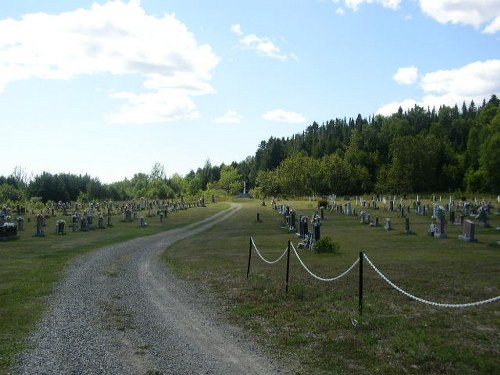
(420, 150)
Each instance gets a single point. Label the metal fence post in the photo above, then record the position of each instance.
(249, 255)
(361, 256)
(287, 266)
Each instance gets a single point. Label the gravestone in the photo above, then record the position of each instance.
(84, 224)
(293, 218)
(362, 217)
(348, 208)
(40, 222)
(407, 226)
(128, 215)
(305, 222)
(482, 217)
(317, 228)
(388, 224)
(110, 221)
(469, 231)
(101, 222)
(439, 216)
(20, 223)
(60, 224)
(301, 226)
(452, 216)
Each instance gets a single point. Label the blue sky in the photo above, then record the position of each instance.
(109, 88)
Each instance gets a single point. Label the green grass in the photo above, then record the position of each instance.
(30, 266)
(319, 324)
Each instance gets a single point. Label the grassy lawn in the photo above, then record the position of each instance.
(318, 323)
(30, 266)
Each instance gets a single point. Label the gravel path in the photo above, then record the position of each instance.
(119, 310)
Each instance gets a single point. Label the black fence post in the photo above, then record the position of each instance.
(287, 266)
(249, 255)
(361, 256)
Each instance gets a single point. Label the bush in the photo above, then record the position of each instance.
(326, 245)
(322, 203)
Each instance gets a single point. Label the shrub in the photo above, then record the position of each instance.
(326, 245)
(322, 203)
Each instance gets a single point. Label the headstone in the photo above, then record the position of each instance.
(362, 217)
(60, 227)
(317, 230)
(20, 223)
(469, 230)
(388, 224)
(301, 226)
(452, 216)
(348, 209)
(40, 221)
(482, 217)
(407, 226)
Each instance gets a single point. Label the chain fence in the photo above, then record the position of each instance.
(264, 259)
(385, 278)
(321, 278)
(436, 304)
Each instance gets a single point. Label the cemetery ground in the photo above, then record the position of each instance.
(315, 324)
(30, 266)
(318, 323)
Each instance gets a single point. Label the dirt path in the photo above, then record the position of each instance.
(119, 310)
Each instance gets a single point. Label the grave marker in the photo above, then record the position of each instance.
(469, 231)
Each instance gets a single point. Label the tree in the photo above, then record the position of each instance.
(230, 180)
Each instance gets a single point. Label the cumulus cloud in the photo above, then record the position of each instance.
(113, 38)
(355, 4)
(281, 115)
(230, 117)
(406, 76)
(264, 46)
(475, 81)
(467, 12)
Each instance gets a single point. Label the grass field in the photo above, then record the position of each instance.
(30, 266)
(318, 325)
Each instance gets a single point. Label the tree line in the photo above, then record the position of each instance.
(419, 150)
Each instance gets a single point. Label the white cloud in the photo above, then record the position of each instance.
(281, 115)
(340, 11)
(476, 81)
(264, 46)
(230, 117)
(236, 28)
(355, 4)
(406, 76)
(115, 38)
(468, 12)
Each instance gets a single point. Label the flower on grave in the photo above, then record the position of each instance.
(439, 211)
(61, 221)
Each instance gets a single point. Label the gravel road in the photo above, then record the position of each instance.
(119, 310)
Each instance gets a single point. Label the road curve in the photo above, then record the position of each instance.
(119, 310)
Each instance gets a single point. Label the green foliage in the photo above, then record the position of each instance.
(418, 150)
(10, 193)
(326, 245)
(322, 203)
